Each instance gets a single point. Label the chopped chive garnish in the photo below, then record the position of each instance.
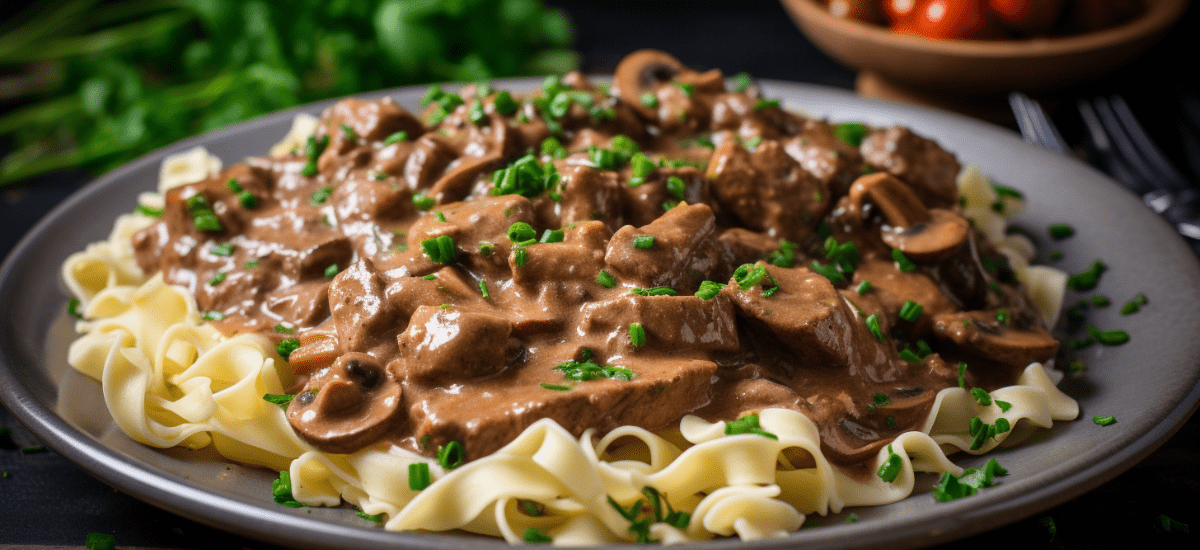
(962, 375)
(555, 387)
(908, 355)
(313, 149)
(1088, 279)
(1001, 315)
(418, 476)
(606, 279)
(440, 249)
(422, 202)
(911, 311)
(476, 113)
(286, 347)
(881, 400)
(551, 146)
(429, 277)
(850, 133)
(149, 211)
(552, 236)
(747, 425)
(282, 399)
(637, 334)
(741, 81)
(486, 248)
(534, 535)
(864, 287)
(1134, 305)
(1061, 231)
(396, 138)
(709, 290)
(829, 272)
(202, 213)
(890, 467)
(586, 371)
(440, 216)
(1104, 420)
(890, 421)
(452, 455)
(284, 329)
(649, 99)
(1004, 405)
(212, 315)
(281, 490)
(73, 308)
(349, 132)
(217, 279)
(902, 262)
(643, 242)
(676, 187)
(687, 88)
(656, 291)
(785, 256)
(221, 249)
(321, 195)
(520, 232)
(483, 289)
(766, 104)
(504, 103)
(1109, 337)
(873, 326)
(331, 271)
(376, 518)
(981, 396)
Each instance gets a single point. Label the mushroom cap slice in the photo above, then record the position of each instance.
(641, 71)
(924, 235)
(347, 406)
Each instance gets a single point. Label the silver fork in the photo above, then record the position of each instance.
(1132, 157)
(1036, 127)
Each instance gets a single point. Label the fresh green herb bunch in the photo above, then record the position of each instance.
(104, 82)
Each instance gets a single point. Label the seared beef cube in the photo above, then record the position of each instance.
(825, 156)
(479, 229)
(766, 190)
(927, 168)
(586, 194)
(681, 326)
(806, 314)
(445, 345)
(674, 251)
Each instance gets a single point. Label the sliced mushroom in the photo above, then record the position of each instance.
(978, 333)
(924, 235)
(935, 237)
(348, 406)
(644, 70)
(318, 349)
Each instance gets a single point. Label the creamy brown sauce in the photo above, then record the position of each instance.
(401, 348)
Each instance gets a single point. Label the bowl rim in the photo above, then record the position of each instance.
(1159, 15)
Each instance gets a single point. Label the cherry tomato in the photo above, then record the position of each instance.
(899, 11)
(956, 19)
(1026, 16)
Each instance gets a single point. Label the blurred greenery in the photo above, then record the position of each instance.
(101, 82)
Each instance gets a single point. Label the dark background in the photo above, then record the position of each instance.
(47, 501)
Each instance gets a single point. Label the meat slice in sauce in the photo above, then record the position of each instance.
(422, 322)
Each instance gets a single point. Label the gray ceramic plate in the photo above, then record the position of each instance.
(1149, 384)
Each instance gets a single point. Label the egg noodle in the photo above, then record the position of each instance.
(170, 379)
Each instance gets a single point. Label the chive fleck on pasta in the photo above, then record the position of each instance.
(418, 476)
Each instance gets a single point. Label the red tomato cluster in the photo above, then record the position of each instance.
(988, 19)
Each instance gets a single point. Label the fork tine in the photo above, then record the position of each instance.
(1155, 158)
(1109, 155)
(1035, 126)
(1124, 145)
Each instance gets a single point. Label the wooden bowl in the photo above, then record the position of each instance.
(963, 67)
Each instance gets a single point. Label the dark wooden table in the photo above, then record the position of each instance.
(47, 502)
